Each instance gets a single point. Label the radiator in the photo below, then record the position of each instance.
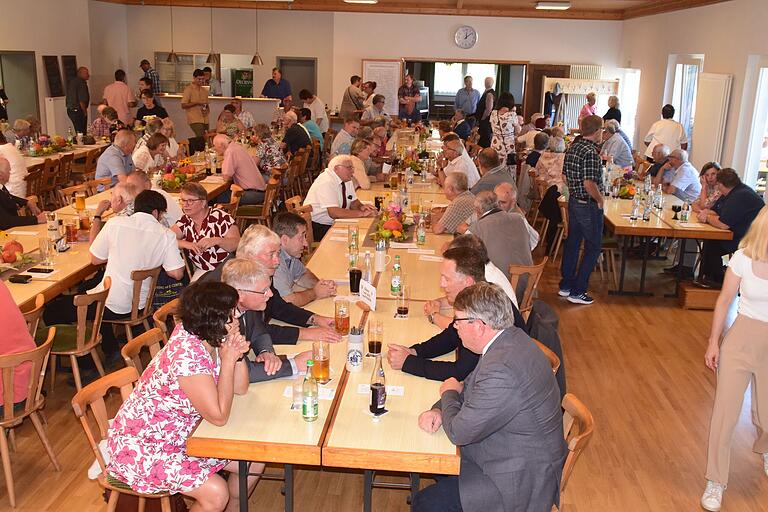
(576, 101)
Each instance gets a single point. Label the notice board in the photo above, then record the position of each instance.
(388, 75)
(53, 74)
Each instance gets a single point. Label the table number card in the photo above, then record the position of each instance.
(368, 294)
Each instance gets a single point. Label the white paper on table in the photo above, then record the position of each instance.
(421, 251)
(345, 221)
(386, 168)
(24, 233)
(439, 205)
(427, 257)
(690, 224)
(322, 393)
(402, 245)
(337, 238)
(213, 179)
(368, 294)
(364, 389)
(338, 232)
(370, 203)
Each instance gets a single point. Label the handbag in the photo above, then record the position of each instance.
(511, 157)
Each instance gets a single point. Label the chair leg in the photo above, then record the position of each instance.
(12, 439)
(44, 439)
(97, 362)
(51, 373)
(76, 372)
(7, 468)
(142, 504)
(165, 504)
(128, 332)
(600, 266)
(112, 503)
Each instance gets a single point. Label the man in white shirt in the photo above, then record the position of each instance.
(17, 184)
(458, 160)
(685, 184)
(666, 131)
(332, 196)
(125, 244)
(342, 144)
(376, 110)
(141, 181)
(317, 107)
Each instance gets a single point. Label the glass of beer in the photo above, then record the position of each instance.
(321, 369)
(415, 204)
(85, 220)
(80, 201)
(70, 229)
(393, 180)
(375, 336)
(341, 317)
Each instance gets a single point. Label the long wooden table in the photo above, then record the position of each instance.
(344, 435)
(79, 151)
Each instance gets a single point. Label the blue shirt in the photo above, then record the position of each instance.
(288, 273)
(467, 100)
(274, 90)
(113, 163)
(617, 147)
(314, 132)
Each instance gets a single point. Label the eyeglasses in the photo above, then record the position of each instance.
(189, 201)
(253, 291)
(469, 319)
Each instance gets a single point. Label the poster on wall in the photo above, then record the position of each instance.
(388, 75)
(242, 82)
(53, 74)
(69, 63)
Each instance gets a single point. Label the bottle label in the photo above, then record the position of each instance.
(395, 286)
(309, 407)
(378, 398)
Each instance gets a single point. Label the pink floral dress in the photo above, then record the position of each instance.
(147, 441)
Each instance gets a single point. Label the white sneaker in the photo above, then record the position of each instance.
(713, 496)
(765, 463)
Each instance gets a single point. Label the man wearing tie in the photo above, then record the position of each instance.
(332, 196)
(9, 204)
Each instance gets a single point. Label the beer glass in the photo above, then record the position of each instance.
(341, 317)
(70, 228)
(47, 250)
(321, 369)
(375, 336)
(403, 300)
(80, 201)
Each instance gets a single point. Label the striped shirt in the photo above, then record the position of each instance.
(152, 75)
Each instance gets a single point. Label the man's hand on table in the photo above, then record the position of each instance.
(301, 359)
(397, 354)
(319, 334)
(430, 421)
(325, 288)
(272, 363)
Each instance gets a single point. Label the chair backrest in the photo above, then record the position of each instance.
(534, 275)
(183, 148)
(554, 361)
(66, 194)
(563, 205)
(37, 360)
(82, 302)
(234, 201)
(578, 426)
(161, 316)
(32, 317)
(131, 351)
(50, 174)
(293, 203)
(138, 277)
(328, 140)
(93, 185)
(92, 396)
(90, 160)
(34, 180)
(65, 168)
(314, 163)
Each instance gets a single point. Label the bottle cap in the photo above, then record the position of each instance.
(310, 362)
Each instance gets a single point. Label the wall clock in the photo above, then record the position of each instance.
(465, 37)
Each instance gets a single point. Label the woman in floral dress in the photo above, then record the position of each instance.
(504, 125)
(193, 377)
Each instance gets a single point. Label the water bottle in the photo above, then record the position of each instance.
(635, 208)
(648, 186)
(309, 395)
(684, 212)
(368, 267)
(70, 136)
(647, 208)
(394, 287)
(421, 233)
(659, 197)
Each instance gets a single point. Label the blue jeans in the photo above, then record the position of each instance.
(442, 496)
(585, 222)
(249, 197)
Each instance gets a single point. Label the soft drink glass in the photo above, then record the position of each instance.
(321, 369)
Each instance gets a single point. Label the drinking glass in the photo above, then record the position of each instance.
(403, 301)
(70, 228)
(321, 369)
(375, 336)
(47, 250)
(79, 201)
(341, 317)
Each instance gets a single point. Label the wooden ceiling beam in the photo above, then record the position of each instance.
(459, 4)
(662, 6)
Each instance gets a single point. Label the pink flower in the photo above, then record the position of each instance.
(125, 456)
(190, 467)
(134, 426)
(157, 473)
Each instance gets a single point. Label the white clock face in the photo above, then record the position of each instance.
(465, 37)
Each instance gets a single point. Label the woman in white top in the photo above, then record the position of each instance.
(741, 358)
(144, 158)
(504, 126)
(169, 131)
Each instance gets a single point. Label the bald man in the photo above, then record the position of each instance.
(507, 196)
(78, 99)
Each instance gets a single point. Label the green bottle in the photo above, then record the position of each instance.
(309, 395)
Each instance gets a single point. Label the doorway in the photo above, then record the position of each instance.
(18, 76)
(533, 92)
(300, 72)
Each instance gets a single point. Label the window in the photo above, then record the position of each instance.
(449, 76)
(756, 172)
(684, 96)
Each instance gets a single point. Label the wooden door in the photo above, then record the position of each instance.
(536, 72)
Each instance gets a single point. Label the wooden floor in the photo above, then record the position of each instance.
(638, 364)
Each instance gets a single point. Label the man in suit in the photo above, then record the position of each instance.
(506, 417)
(461, 267)
(252, 282)
(10, 204)
(260, 244)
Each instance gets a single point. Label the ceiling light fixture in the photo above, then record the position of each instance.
(172, 57)
(212, 57)
(369, 2)
(256, 60)
(553, 6)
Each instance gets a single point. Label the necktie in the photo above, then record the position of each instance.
(343, 194)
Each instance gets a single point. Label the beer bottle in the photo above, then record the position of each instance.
(309, 395)
(378, 388)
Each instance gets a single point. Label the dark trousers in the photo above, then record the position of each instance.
(442, 496)
(485, 132)
(79, 120)
(585, 223)
(550, 209)
(319, 230)
(250, 196)
(712, 254)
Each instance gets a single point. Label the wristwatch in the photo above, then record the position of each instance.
(97, 217)
(431, 318)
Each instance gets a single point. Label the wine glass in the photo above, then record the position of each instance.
(676, 208)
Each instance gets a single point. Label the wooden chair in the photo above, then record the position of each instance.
(152, 340)
(34, 180)
(562, 230)
(293, 203)
(65, 170)
(32, 317)
(87, 170)
(534, 275)
(161, 316)
(473, 149)
(234, 201)
(554, 361)
(47, 193)
(608, 255)
(314, 162)
(92, 396)
(139, 315)
(578, 426)
(12, 417)
(65, 195)
(83, 337)
(305, 177)
(293, 184)
(94, 184)
(183, 148)
(259, 213)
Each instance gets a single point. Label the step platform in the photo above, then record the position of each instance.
(693, 297)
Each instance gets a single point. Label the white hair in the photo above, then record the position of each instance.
(340, 160)
(241, 273)
(253, 240)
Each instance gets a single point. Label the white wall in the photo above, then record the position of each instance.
(109, 46)
(726, 33)
(47, 27)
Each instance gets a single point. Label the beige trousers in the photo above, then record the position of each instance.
(743, 358)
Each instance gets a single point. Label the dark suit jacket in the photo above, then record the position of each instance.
(256, 371)
(509, 426)
(463, 129)
(443, 343)
(9, 215)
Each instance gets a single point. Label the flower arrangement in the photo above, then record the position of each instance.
(47, 145)
(392, 224)
(177, 173)
(626, 184)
